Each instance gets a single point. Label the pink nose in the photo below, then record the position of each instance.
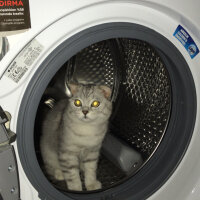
(85, 112)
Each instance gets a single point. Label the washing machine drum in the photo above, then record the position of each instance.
(141, 96)
(151, 124)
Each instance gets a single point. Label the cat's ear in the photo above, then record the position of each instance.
(73, 88)
(106, 91)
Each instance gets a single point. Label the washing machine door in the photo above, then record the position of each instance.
(9, 182)
(43, 56)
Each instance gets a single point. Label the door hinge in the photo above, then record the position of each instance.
(9, 178)
(6, 135)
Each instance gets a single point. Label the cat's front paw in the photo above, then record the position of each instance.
(96, 185)
(74, 186)
(58, 174)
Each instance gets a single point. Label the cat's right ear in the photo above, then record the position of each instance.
(106, 91)
(73, 88)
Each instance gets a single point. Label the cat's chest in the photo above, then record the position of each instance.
(86, 130)
(85, 135)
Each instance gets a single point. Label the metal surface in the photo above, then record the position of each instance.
(4, 137)
(9, 184)
(97, 64)
(144, 108)
(145, 88)
(122, 155)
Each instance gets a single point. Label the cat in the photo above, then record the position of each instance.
(72, 135)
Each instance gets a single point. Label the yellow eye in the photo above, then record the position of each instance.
(95, 103)
(77, 103)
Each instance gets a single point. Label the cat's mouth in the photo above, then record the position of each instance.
(85, 118)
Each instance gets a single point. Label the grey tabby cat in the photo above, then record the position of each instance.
(73, 132)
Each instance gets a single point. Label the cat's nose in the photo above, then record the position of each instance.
(85, 112)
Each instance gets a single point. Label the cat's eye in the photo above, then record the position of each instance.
(77, 103)
(95, 104)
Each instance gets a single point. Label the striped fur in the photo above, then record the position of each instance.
(71, 140)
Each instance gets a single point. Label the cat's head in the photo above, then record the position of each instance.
(90, 103)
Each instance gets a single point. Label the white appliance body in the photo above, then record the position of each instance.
(53, 22)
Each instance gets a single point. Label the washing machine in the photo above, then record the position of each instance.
(148, 53)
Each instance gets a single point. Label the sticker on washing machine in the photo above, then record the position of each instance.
(24, 61)
(186, 40)
(14, 15)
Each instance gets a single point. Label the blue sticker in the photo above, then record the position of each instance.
(186, 40)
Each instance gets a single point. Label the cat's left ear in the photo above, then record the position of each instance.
(106, 91)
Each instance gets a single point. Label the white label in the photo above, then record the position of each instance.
(24, 61)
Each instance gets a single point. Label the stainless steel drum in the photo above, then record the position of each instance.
(141, 94)
(98, 64)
